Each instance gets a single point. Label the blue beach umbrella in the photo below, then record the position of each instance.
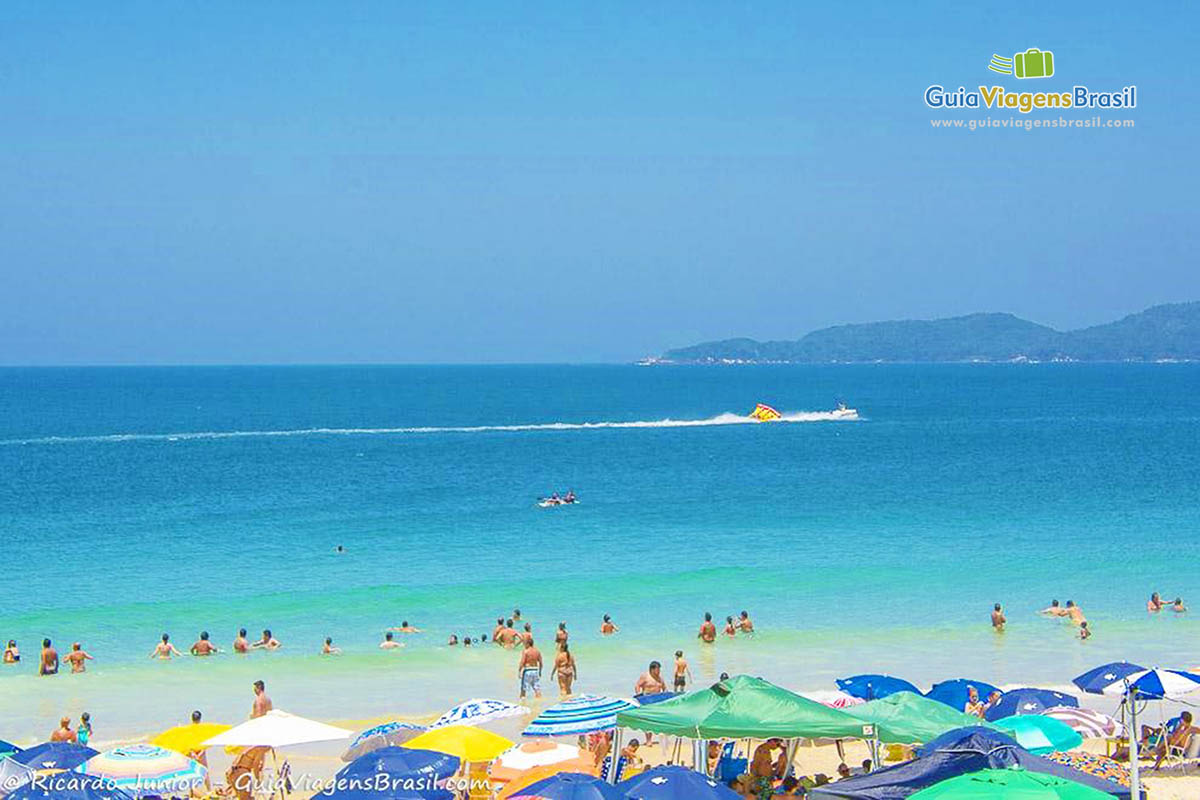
(874, 687)
(393, 773)
(1096, 680)
(13, 775)
(8, 748)
(569, 786)
(68, 786)
(402, 762)
(651, 699)
(954, 693)
(1028, 701)
(54, 755)
(675, 783)
(389, 734)
(579, 715)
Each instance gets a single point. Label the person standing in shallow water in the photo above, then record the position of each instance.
(49, 662)
(998, 620)
(262, 701)
(529, 670)
(708, 631)
(608, 627)
(164, 649)
(564, 669)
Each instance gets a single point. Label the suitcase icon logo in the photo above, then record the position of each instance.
(1033, 63)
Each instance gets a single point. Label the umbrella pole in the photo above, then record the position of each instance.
(1135, 784)
(615, 755)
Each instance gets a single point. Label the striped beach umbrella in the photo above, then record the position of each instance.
(142, 770)
(1156, 684)
(479, 711)
(389, 734)
(579, 715)
(1087, 723)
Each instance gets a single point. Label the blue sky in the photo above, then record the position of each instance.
(400, 182)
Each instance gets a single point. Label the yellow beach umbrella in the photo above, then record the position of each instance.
(469, 743)
(190, 738)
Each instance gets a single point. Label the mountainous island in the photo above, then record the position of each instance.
(1161, 333)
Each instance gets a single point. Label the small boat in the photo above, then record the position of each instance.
(841, 412)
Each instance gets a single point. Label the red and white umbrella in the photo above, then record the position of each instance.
(833, 698)
(1087, 723)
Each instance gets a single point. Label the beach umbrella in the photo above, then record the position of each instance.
(833, 698)
(477, 712)
(1093, 764)
(1039, 734)
(8, 748)
(1027, 701)
(1156, 684)
(389, 734)
(955, 693)
(1009, 784)
(278, 729)
(536, 774)
(874, 687)
(14, 774)
(1089, 724)
(1096, 679)
(468, 743)
(539, 753)
(675, 783)
(579, 715)
(189, 738)
(54, 755)
(143, 770)
(569, 786)
(393, 773)
(68, 786)
(402, 762)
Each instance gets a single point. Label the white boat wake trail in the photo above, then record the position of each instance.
(720, 419)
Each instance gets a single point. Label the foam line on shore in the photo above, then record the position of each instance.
(720, 419)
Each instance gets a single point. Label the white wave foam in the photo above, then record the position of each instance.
(720, 419)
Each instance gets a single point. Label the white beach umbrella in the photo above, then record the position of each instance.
(479, 711)
(278, 729)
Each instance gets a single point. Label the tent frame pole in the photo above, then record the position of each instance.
(1135, 783)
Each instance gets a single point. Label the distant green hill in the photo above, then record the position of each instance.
(1166, 332)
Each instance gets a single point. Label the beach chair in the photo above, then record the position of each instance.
(606, 767)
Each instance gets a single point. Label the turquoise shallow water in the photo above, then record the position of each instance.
(137, 501)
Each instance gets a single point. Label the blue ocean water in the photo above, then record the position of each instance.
(137, 501)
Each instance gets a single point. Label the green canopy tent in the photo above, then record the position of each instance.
(742, 707)
(907, 718)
